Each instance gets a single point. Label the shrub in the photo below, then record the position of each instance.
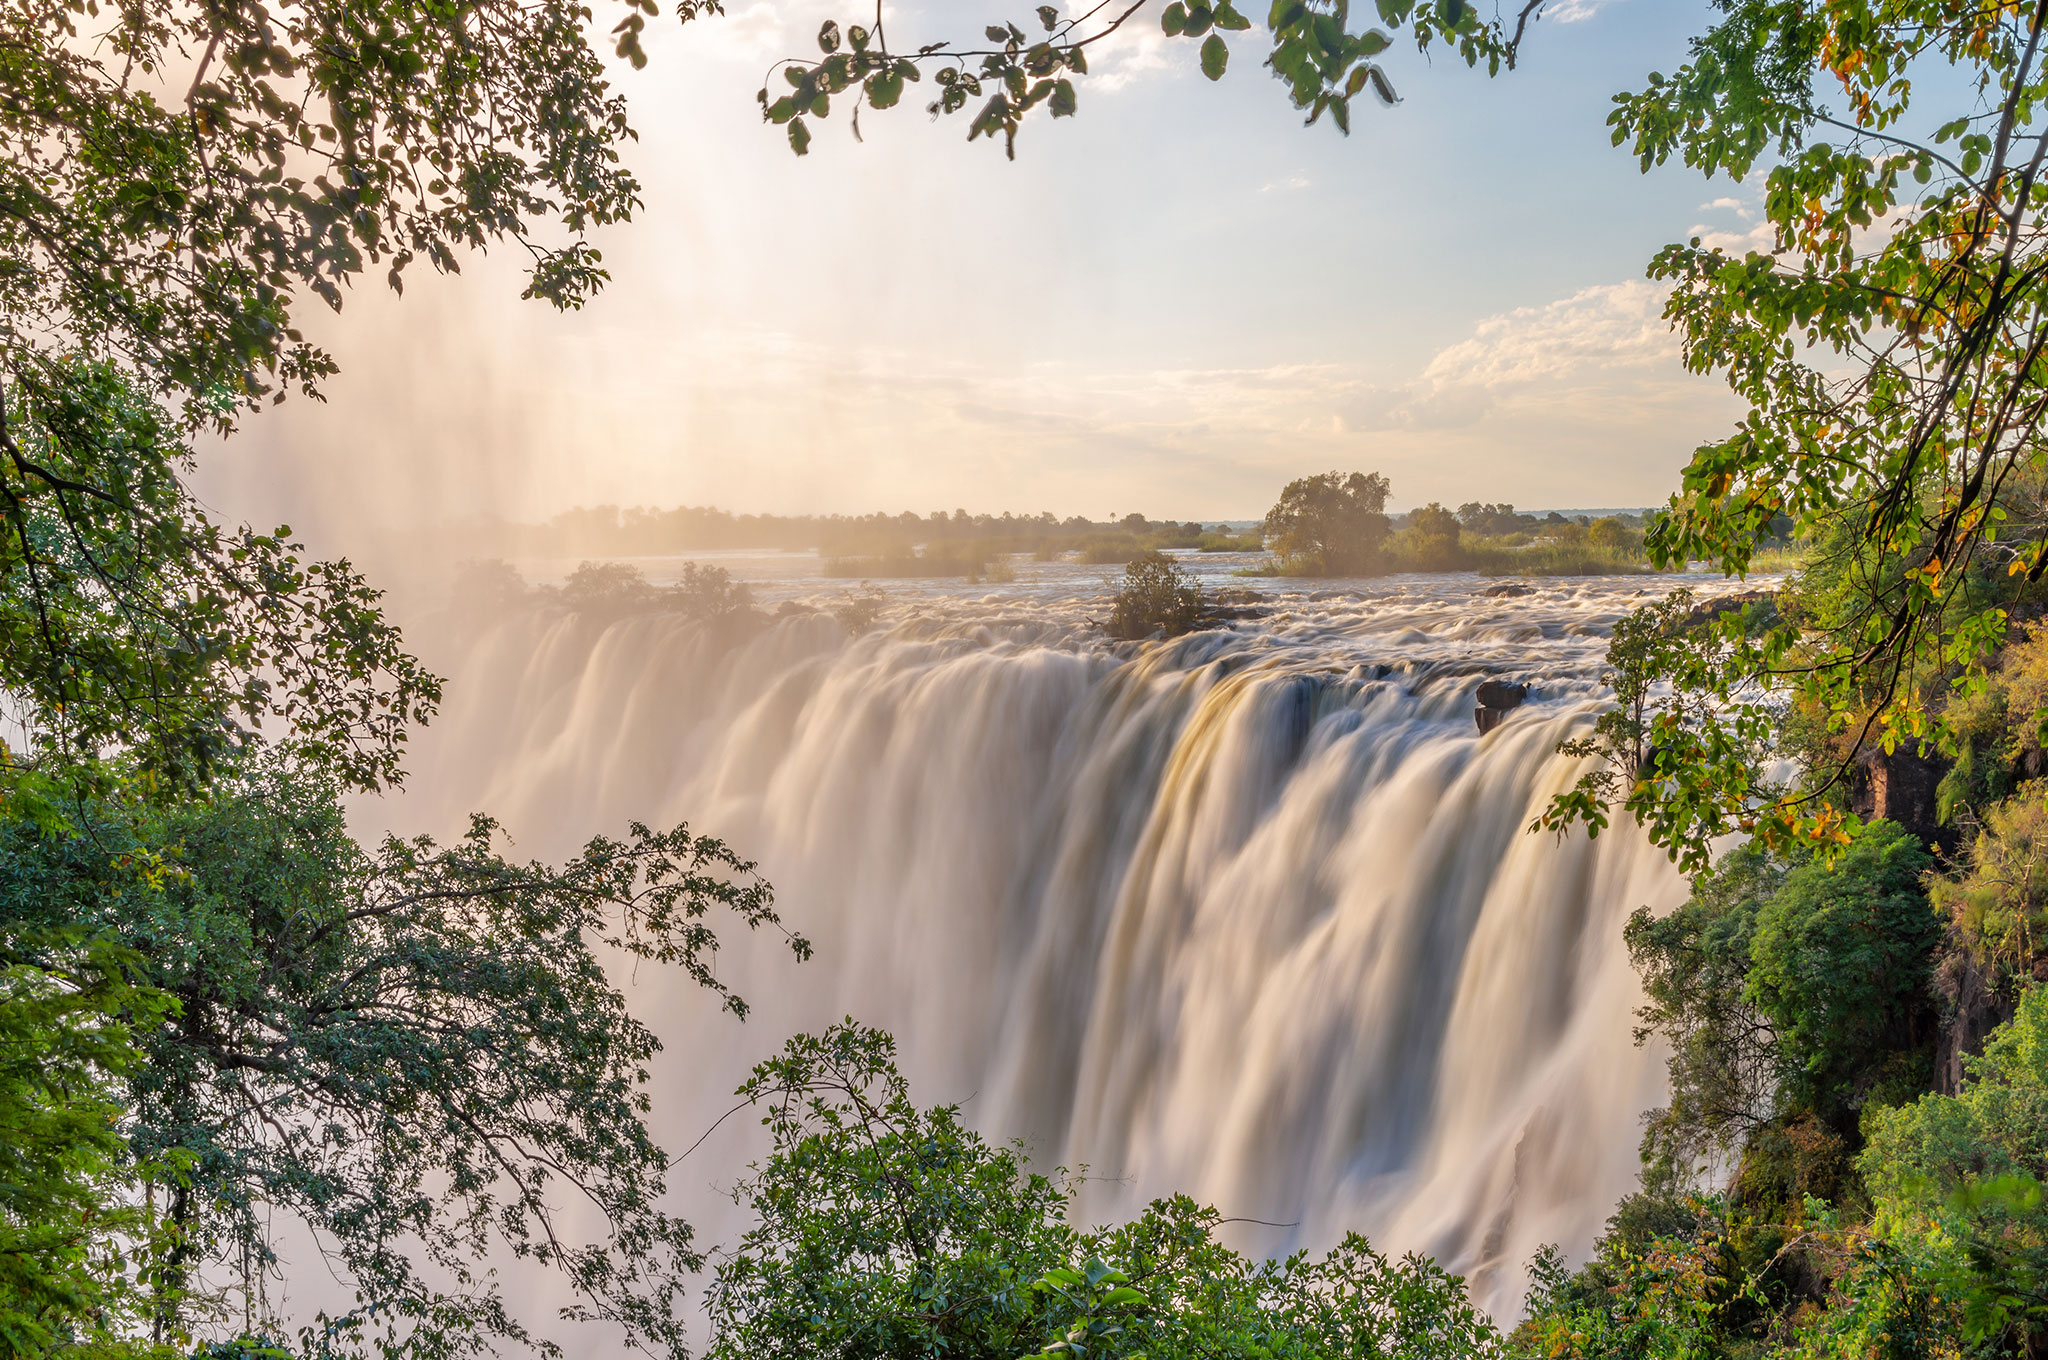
(1155, 596)
(1967, 1170)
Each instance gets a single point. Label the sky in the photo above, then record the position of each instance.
(1172, 303)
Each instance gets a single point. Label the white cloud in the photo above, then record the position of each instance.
(1576, 11)
(1123, 61)
(1600, 329)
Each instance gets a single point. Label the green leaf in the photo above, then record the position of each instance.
(1048, 16)
(828, 37)
(1230, 20)
(1174, 19)
(1063, 99)
(1215, 56)
(1200, 19)
(884, 88)
(799, 137)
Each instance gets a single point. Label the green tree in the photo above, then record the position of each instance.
(413, 1050)
(1891, 376)
(1839, 966)
(73, 1244)
(1021, 67)
(1724, 1060)
(409, 1048)
(883, 1230)
(1156, 595)
(1331, 525)
(1431, 539)
(172, 179)
(1966, 1174)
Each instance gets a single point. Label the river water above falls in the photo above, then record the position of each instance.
(1252, 914)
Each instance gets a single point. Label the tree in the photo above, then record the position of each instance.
(1839, 966)
(1331, 525)
(1968, 1170)
(1892, 376)
(171, 178)
(413, 1051)
(407, 1048)
(1724, 1051)
(132, 623)
(882, 1229)
(1314, 52)
(72, 1241)
(1156, 596)
(1432, 538)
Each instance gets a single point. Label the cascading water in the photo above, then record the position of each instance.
(1252, 914)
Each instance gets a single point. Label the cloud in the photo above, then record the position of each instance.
(1122, 62)
(1576, 11)
(1603, 328)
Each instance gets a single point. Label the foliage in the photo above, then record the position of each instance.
(885, 1230)
(1323, 63)
(1667, 751)
(1839, 967)
(1890, 374)
(1666, 1297)
(969, 560)
(1156, 596)
(1970, 1168)
(1429, 541)
(174, 173)
(1999, 901)
(612, 589)
(172, 177)
(68, 1012)
(881, 1229)
(859, 610)
(1695, 965)
(412, 1050)
(129, 622)
(1331, 525)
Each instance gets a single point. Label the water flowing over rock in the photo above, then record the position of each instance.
(1251, 914)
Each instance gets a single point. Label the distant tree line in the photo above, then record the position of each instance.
(1333, 524)
(874, 540)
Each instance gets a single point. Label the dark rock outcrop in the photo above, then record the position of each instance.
(1973, 1003)
(1508, 590)
(1901, 787)
(1497, 698)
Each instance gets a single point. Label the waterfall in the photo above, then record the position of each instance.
(1252, 914)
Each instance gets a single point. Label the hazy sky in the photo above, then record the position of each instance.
(1172, 303)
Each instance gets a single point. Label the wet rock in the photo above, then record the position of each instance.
(1502, 695)
(1497, 699)
(1506, 591)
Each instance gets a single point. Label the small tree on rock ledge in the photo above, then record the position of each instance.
(1156, 595)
